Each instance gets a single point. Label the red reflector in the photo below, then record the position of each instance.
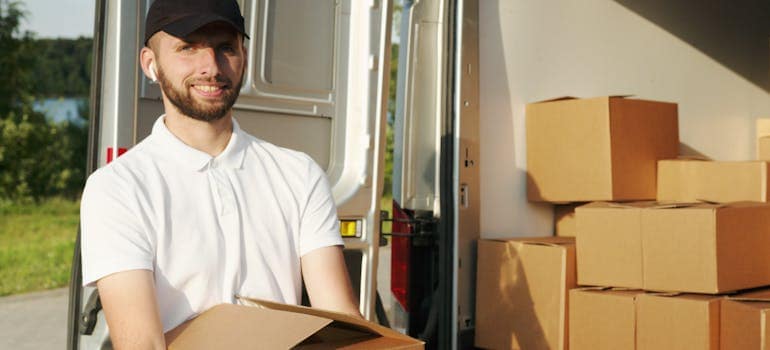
(400, 250)
(111, 152)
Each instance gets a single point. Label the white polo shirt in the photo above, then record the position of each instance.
(208, 227)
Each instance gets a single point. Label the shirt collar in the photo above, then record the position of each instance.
(196, 160)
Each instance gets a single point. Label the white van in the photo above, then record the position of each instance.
(318, 79)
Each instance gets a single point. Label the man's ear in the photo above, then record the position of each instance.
(147, 61)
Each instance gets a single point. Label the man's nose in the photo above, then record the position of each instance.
(208, 62)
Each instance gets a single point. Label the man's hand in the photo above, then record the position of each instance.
(131, 309)
(327, 281)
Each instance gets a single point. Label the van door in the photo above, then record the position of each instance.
(435, 173)
(317, 81)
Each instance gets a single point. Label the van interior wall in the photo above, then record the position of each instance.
(711, 58)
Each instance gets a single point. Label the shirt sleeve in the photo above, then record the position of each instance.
(319, 226)
(112, 239)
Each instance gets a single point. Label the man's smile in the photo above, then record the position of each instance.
(209, 90)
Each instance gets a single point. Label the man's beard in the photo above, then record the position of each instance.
(184, 102)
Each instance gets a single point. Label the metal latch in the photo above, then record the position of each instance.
(88, 317)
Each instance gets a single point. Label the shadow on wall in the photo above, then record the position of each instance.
(687, 151)
(735, 33)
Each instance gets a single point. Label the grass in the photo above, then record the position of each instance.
(36, 245)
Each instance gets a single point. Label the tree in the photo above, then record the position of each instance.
(63, 66)
(15, 63)
(38, 158)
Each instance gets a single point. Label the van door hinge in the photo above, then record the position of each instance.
(424, 229)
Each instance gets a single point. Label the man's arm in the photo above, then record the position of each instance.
(131, 309)
(327, 281)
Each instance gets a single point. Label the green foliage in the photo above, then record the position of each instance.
(38, 158)
(63, 66)
(388, 176)
(394, 50)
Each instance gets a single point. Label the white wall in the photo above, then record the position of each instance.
(534, 50)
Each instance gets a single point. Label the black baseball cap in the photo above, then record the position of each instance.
(182, 17)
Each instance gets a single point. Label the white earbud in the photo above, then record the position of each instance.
(153, 73)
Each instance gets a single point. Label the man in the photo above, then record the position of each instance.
(200, 212)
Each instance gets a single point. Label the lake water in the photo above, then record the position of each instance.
(60, 109)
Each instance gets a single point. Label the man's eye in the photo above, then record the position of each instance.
(185, 48)
(227, 48)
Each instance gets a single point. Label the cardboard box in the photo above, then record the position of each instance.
(564, 219)
(602, 319)
(694, 180)
(674, 322)
(604, 148)
(609, 246)
(706, 248)
(763, 138)
(745, 321)
(267, 325)
(521, 292)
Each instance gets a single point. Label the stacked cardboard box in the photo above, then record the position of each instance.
(633, 319)
(521, 292)
(704, 248)
(696, 248)
(677, 322)
(595, 149)
(661, 240)
(602, 319)
(579, 150)
(744, 321)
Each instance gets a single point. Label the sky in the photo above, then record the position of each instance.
(59, 18)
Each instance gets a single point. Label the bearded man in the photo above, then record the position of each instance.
(201, 212)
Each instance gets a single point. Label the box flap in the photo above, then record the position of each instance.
(689, 157)
(228, 326)
(621, 205)
(666, 294)
(692, 205)
(675, 205)
(561, 98)
(595, 288)
(330, 315)
(625, 293)
(744, 204)
(551, 241)
(749, 299)
(758, 295)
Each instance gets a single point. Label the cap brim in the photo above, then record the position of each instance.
(183, 27)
